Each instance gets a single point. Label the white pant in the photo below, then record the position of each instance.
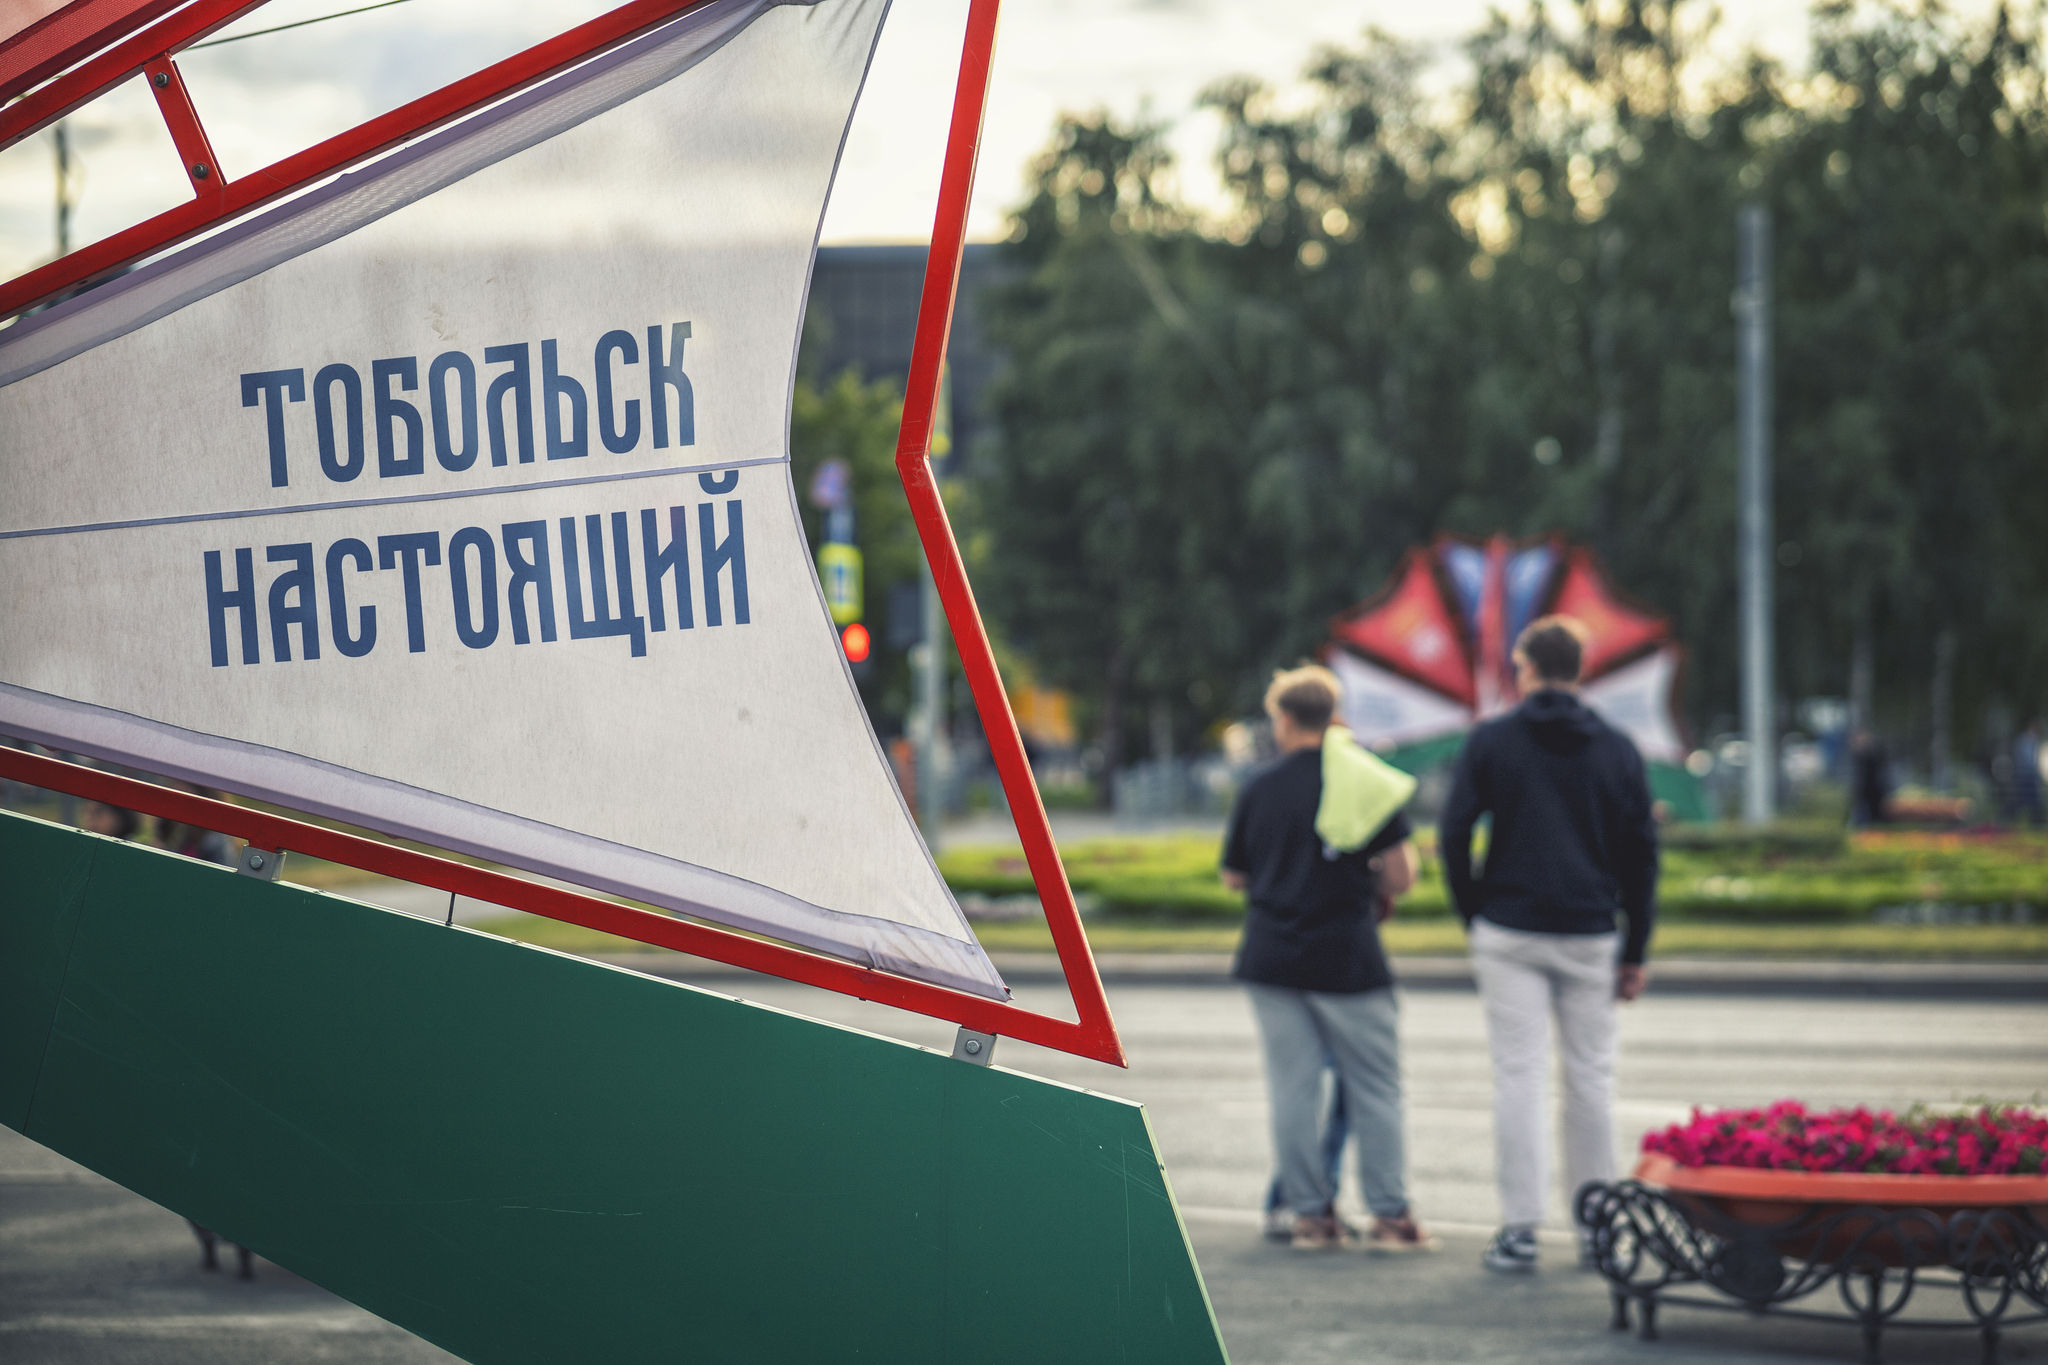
(1523, 979)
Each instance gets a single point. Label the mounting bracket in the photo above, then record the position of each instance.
(264, 864)
(978, 1048)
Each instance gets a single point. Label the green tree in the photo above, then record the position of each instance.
(1914, 273)
(855, 421)
(1114, 497)
(1407, 301)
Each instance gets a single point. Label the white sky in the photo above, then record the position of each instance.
(268, 97)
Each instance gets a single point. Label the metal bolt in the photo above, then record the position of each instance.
(162, 79)
(973, 1046)
(199, 171)
(256, 860)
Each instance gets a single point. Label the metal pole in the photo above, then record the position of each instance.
(62, 133)
(1753, 352)
(1940, 774)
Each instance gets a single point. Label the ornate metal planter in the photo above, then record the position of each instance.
(1761, 1241)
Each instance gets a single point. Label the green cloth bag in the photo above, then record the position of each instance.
(1361, 792)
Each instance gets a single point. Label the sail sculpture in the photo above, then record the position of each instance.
(451, 498)
(1429, 655)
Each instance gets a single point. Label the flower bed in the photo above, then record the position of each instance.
(1786, 1136)
(1767, 1206)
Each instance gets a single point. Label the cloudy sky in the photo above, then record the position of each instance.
(268, 96)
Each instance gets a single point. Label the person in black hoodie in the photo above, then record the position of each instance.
(1573, 840)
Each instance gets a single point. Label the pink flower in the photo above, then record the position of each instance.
(1786, 1136)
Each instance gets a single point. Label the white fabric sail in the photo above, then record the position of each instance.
(452, 498)
(1636, 700)
(1383, 709)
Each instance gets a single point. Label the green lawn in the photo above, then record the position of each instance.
(1793, 873)
(1443, 937)
(1785, 876)
(567, 938)
(1793, 892)
(1172, 874)
(302, 870)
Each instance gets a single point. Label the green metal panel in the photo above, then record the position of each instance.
(42, 884)
(526, 1157)
(1686, 794)
(1416, 759)
(1669, 783)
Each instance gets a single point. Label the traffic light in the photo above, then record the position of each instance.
(839, 562)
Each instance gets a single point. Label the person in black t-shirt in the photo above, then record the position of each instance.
(1318, 978)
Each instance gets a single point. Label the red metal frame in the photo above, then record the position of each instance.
(42, 107)
(174, 102)
(935, 529)
(1094, 1035)
(68, 34)
(301, 169)
(276, 833)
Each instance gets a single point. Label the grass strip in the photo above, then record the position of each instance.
(1810, 942)
(1808, 880)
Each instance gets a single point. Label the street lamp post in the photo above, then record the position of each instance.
(928, 725)
(1753, 359)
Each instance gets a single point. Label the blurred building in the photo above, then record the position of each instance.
(863, 316)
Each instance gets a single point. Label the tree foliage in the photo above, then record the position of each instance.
(846, 417)
(1510, 311)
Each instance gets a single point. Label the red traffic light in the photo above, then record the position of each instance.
(854, 640)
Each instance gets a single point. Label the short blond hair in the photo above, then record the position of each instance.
(1309, 695)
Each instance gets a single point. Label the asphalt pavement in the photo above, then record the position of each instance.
(93, 1275)
(89, 1272)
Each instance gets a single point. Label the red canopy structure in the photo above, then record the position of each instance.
(1429, 654)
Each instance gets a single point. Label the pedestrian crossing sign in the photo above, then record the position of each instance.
(839, 570)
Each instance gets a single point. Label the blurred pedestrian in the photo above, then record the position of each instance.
(2027, 776)
(209, 1251)
(1573, 840)
(1870, 779)
(1311, 957)
(112, 821)
(209, 846)
(1279, 1215)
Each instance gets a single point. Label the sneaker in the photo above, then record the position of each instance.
(1322, 1232)
(1512, 1251)
(1399, 1237)
(1279, 1224)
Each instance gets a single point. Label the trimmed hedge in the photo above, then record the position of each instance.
(1794, 876)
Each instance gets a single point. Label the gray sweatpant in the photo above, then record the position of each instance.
(1361, 1034)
